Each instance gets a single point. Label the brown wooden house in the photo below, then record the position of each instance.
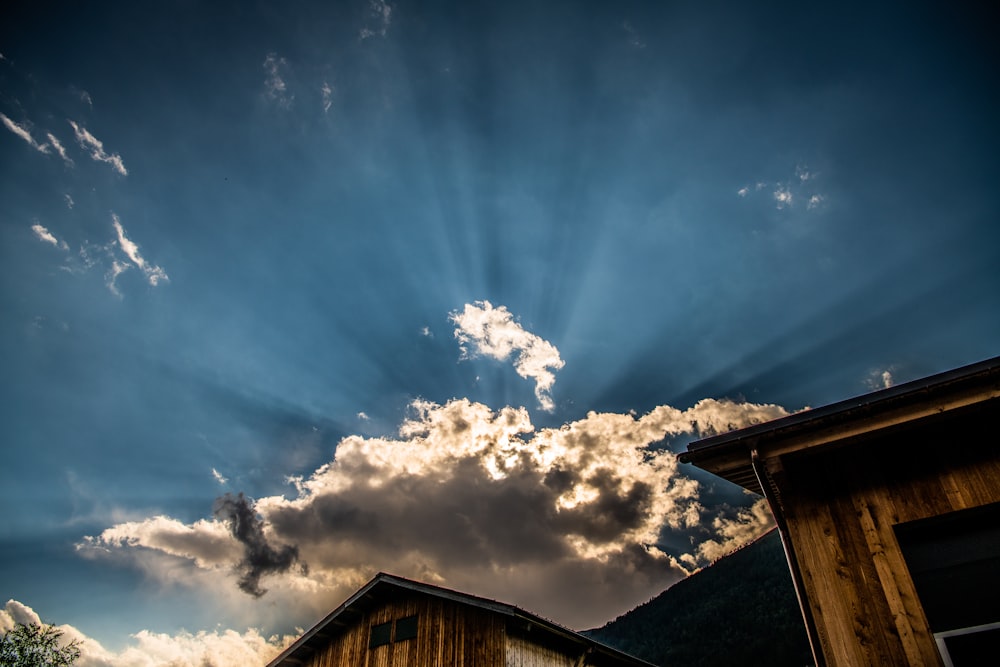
(397, 622)
(889, 509)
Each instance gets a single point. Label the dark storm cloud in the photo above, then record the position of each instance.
(259, 557)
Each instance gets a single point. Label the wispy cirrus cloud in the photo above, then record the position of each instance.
(116, 256)
(95, 148)
(44, 235)
(275, 87)
(789, 193)
(326, 90)
(381, 12)
(482, 329)
(59, 148)
(560, 520)
(24, 132)
(154, 274)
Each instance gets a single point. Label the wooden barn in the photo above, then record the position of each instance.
(889, 509)
(396, 622)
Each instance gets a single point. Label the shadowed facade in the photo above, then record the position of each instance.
(889, 510)
(397, 622)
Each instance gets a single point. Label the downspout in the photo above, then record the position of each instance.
(793, 564)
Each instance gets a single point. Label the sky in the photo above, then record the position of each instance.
(294, 293)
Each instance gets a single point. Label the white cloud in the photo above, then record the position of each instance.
(154, 274)
(880, 378)
(731, 533)
(495, 333)
(363, 416)
(24, 133)
(95, 147)
(69, 201)
(105, 255)
(220, 648)
(783, 196)
(218, 477)
(111, 275)
(563, 521)
(59, 148)
(786, 193)
(803, 173)
(426, 332)
(275, 88)
(381, 11)
(327, 92)
(46, 236)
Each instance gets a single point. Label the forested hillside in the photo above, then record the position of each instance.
(740, 611)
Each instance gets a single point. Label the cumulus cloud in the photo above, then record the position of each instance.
(95, 148)
(154, 274)
(783, 197)
(219, 648)
(564, 521)
(731, 532)
(880, 378)
(275, 88)
(381, 12)
(46, 236)
(482, 329)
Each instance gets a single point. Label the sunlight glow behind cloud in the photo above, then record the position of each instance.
(465, 491)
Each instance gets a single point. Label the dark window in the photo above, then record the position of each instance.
(381, 634)
(406, 628)
(954, 560)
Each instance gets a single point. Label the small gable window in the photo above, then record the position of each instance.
(381, 634)
(406, 628)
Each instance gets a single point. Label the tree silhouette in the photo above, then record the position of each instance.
(34, 645)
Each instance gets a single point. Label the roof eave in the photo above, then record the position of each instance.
(728, 455)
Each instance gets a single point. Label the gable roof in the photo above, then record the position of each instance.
(728, 455)
(383, 586)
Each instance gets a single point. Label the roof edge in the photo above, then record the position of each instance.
(900, 396)
(502, 608)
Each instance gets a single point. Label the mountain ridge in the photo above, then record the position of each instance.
(741, 609)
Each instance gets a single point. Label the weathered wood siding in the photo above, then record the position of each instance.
(447, 635)
(522, 652)
(841, 507)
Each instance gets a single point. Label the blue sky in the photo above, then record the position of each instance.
(440, 289)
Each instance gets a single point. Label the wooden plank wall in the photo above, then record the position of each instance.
(522, 652)
(448, 634)
(841, 508)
